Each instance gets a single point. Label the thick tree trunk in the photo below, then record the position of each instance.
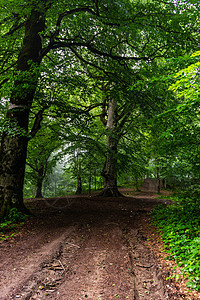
(12, 174)
(110, 175)
(110, 168)
(40, 177)
(14, 146)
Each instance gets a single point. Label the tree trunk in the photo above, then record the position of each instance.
(110, 168)
(79, 186)
(40, 177)
(136, 184)
(89, 183)
(95, 180)
(158, 179)
(110, 174)
(13, 148)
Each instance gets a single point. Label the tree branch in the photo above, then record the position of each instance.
(89, 63)
(124, 117)
(58, 25)
(4, 81)
(14, 28)
(90, 47)
(37, 123)
(31, 166)
(91, 107)
(4, 71)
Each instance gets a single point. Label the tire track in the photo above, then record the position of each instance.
(148, 281)
(30, 268)
(102, 255)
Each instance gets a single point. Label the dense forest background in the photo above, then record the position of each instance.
(97, 92)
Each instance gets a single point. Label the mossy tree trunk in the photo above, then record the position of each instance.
(13, 148)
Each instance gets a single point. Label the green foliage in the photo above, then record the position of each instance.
(14, 219)
(16, 216)
(11, 128)
(58, 183)
(187, 82)
(44, 151)
(180, 227)
(175, 131)
(191, 191)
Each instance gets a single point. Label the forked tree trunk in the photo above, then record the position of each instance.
(110, 168)
(13, 148)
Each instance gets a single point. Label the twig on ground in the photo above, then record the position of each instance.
(72, 244)
(61, 265)
(147, 267)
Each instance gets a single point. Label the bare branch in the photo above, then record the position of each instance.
(58, 24)
(91, 107)
(96, 51)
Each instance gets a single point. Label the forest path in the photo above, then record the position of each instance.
(84, 248)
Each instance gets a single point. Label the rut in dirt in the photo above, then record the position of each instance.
(97, 252)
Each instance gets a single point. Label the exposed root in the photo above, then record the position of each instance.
(109, 192)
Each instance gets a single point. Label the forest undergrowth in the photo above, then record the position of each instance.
(179, 224)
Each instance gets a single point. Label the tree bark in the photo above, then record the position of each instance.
(110, 167)
(89, 183)
(79, 186)
(95, 180)
(13, 148)
(136, 184)
(158, 179)
(40, 177)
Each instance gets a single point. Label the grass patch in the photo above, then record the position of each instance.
(180, 227)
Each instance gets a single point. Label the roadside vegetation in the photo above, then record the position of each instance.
(179, 224)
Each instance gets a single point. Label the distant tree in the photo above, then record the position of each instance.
(43, 154)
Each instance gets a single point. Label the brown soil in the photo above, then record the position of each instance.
(88, 248)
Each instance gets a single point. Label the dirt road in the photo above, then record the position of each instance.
(84, 248)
